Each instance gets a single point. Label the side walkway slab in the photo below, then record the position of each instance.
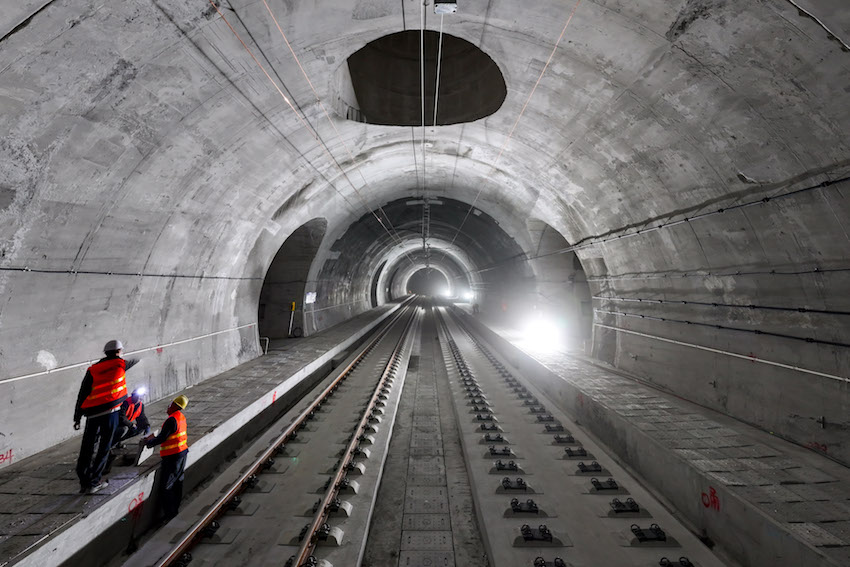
(45, 521)
(764, 500)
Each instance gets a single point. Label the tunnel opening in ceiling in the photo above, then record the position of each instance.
(381, 84)
(428, 281)
(286, 281)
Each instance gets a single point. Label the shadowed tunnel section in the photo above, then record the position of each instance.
(428, 281)
(286, 280)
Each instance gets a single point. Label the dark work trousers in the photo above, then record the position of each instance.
(97, 435)
(171, 483)
(125, 432)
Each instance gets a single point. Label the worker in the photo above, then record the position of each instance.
(102, 392)
(132, 419)
(174, 447)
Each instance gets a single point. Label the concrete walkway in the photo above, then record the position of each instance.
(43, 518)
(766, 501)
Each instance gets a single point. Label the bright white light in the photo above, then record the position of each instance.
(141, 391)
(446, 293)
(468, 296)
(542, 334)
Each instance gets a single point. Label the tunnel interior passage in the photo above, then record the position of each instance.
(428, 281)
(285, 282)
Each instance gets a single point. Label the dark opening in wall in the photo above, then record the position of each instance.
(386, 81)
(375, 278)
(428, 281)
(286, 280)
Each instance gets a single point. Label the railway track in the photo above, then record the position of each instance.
(545, 494)
(312, 484)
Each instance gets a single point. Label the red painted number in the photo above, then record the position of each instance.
(711, 500)
(135, 507)
(6, 457)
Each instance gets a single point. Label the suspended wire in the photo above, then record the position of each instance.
(394, 234)
(301, 119)
(524, 106)
(425, 207)
(439, 61)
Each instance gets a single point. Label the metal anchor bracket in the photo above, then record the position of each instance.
(541, 533)
(609, 484)
(628, 506)
(528, 507)
(653, 533)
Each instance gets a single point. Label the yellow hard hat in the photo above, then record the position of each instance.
(181, 402)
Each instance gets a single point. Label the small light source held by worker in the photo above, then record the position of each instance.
(445, 7)
(141, 390)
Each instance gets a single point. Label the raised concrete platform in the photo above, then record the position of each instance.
(764, 500)
(45, 521)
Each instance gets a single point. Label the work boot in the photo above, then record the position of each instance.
(103, 484)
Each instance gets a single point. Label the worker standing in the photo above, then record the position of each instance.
(102, 392)
(174, 447)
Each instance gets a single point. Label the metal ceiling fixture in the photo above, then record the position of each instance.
(445, 7)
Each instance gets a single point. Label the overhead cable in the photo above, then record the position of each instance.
(304, 123)
(521, 112)
(345, 145)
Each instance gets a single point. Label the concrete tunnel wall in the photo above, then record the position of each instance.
(149, 173)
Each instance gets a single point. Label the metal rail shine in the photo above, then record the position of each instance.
(310, 542)
(196, 531)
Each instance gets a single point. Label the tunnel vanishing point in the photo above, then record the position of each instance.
(667, 180)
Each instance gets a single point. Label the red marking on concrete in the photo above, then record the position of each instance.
(135, 507)
(813, 445)
(274, 396)
(159, 350)
(711, 500)
(6, 458)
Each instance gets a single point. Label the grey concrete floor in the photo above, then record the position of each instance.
(804, 495)
(39, 495)
(424, 512)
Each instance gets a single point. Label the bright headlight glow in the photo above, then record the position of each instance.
(446, 293)
(542, 334)
(141, 391)
(468, 296)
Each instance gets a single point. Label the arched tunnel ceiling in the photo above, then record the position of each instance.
(150, 170)
(152, 116)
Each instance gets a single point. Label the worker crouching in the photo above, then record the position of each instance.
(174, 447)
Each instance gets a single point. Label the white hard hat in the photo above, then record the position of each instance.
(114, 344)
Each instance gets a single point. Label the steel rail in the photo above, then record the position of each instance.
(196, 531)
(311, 539)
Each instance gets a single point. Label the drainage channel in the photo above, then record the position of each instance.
(424, 514)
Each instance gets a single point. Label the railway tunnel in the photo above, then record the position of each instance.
(632, 216)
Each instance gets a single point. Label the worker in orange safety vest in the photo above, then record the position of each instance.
(102, 392)
(174, 448)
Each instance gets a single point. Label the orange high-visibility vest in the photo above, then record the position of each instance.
(178, 441)
(133, 410)
(108, 383)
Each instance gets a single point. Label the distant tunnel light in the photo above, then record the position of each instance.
(468, 296)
